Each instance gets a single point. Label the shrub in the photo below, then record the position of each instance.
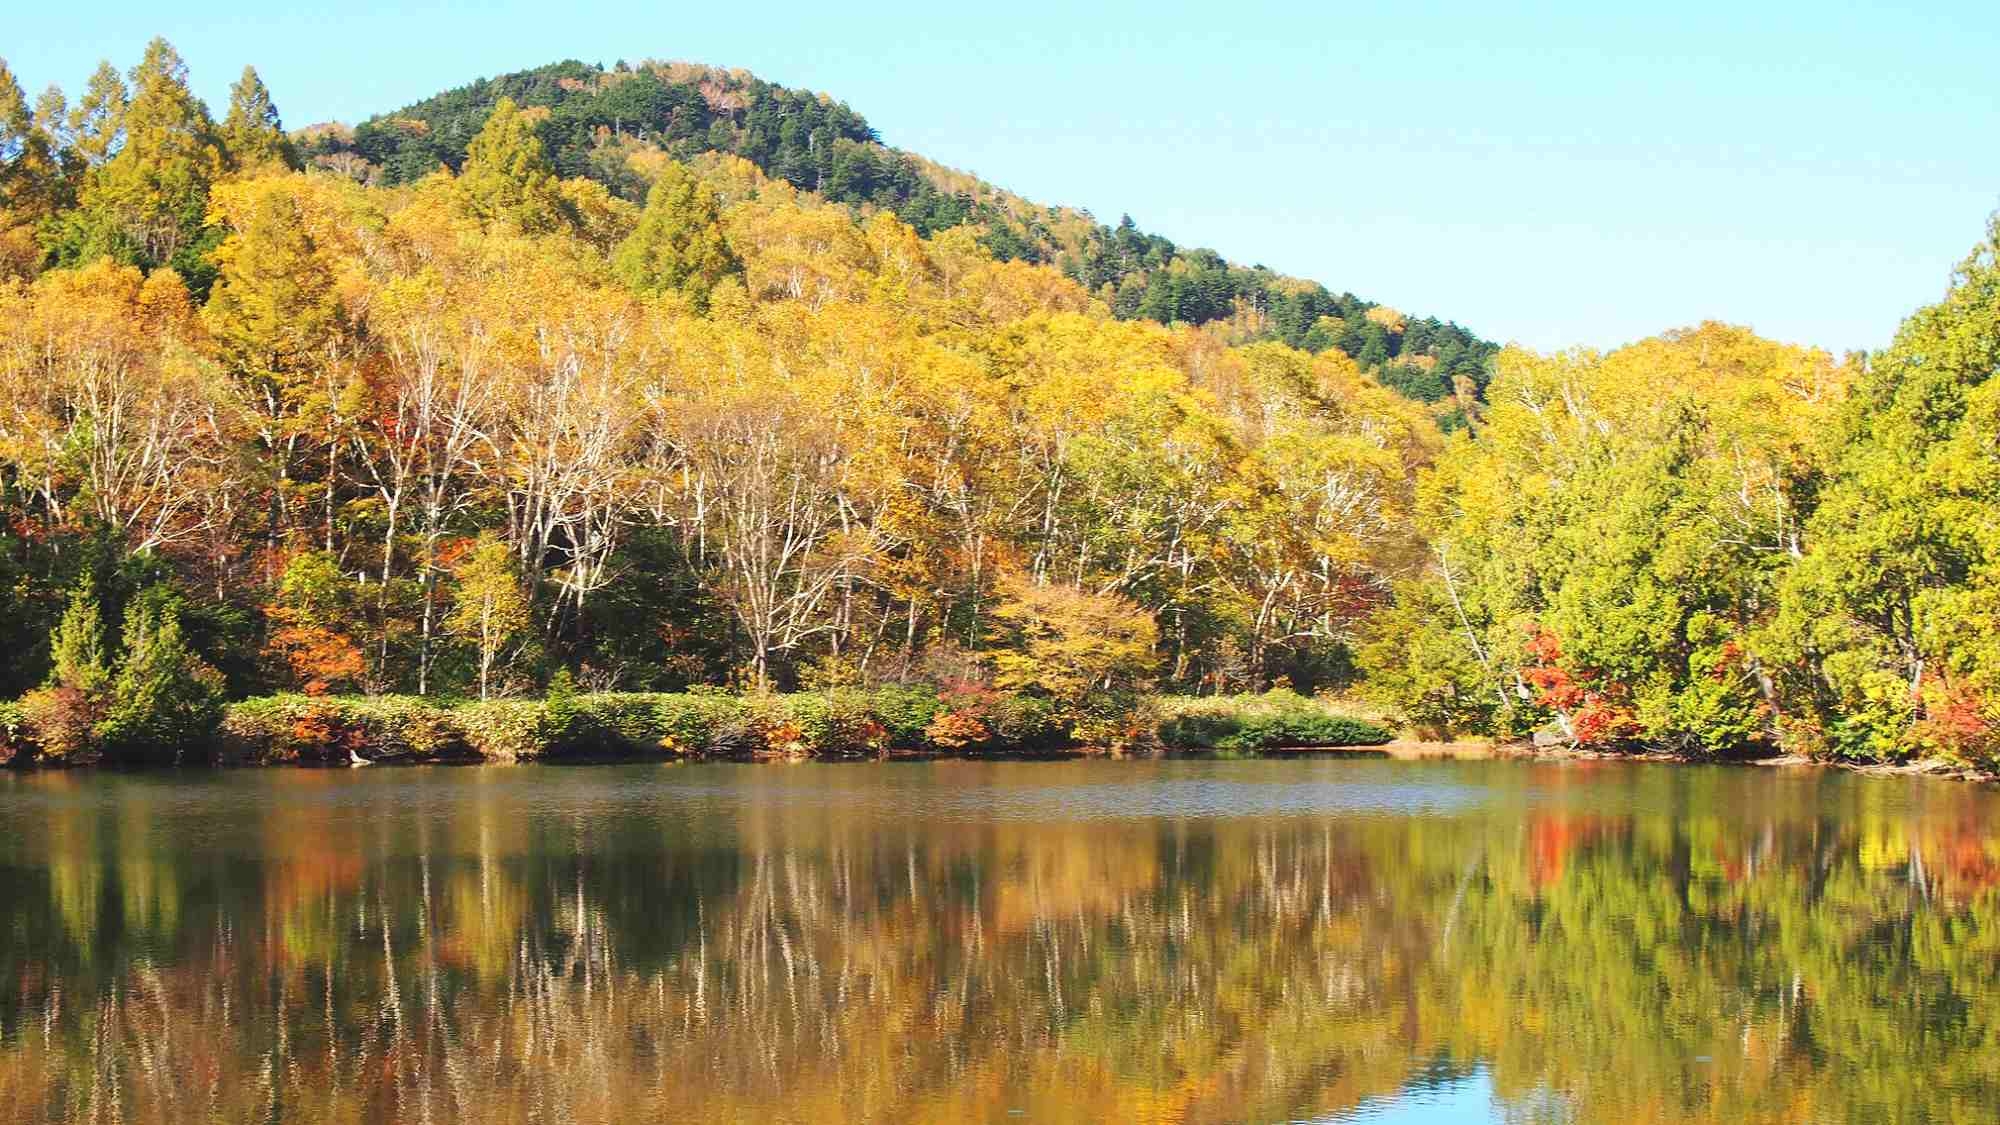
(60, 724)
(16, 739)
(905, 712)
(300, 728)
(1031, 722)
(1251, 722)
(838, 723)
(505, 730)
(694, 724)
(955, 730)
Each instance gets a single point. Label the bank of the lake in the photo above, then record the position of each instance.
(894, 721)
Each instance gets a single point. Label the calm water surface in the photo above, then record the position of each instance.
(1341, 940)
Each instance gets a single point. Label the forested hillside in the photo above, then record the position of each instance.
(305, 414)
(597, 120)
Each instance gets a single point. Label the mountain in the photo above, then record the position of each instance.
(594, 119)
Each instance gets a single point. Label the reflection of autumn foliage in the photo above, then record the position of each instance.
(1551, 839)
(841, 959)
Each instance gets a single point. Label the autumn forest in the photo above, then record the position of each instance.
(664, 407)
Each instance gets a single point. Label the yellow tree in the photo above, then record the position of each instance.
(489, 608)
(275, 320)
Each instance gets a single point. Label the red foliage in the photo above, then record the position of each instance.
(1959, 722)
(321, 658)
(955, 729)
(1597, 712)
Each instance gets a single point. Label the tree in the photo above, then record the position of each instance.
(96, 125)
(76, 648)
(65, 712)
(316, 617)
(144, 199)
(1070, 644)
(489, 608)
(31, 180)
(679, 244)
(1889, 617)
(275, 321)
(252, 135)
(165, 700)
(507, 177)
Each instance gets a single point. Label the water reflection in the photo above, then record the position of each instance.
(1212, 941)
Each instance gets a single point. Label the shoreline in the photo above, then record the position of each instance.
(1402, 749)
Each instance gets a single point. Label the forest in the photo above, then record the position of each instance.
(665, 384)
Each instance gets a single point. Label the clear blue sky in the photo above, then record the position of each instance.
(1575, 174)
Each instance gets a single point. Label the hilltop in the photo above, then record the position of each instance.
(603, 123)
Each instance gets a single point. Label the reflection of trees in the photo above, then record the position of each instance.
(1734, 949)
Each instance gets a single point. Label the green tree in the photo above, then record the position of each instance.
(165, 700)
(679, 244)
(96, 125)
(146, 202)
(76, 647)
(1891, 620)
(253, 136)
(507, 176)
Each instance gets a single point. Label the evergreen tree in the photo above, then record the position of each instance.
(679, 244)
(30, 179)
(165, 700)
(507, 175)
(76, 648)
(96, 126)
(147, 203)
(252, 133)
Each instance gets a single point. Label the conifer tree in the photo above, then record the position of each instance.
(679, 244)
(507, 175)
(147, 202)
(252, 133)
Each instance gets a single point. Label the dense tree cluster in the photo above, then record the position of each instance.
(460, 434)
(271, 425)
(595, 116)
(1709, 541)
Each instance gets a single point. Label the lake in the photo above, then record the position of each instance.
(1332, 939)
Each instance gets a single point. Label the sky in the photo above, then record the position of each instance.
(1556, 175)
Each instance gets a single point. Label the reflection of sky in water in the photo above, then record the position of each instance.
(1210, 799)
(1137, 800)
(1465, 1098)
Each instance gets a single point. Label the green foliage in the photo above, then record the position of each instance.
(820, 145)
(337, 729)
(507, 176)
(490, 609)
(1275, 719)
(252, 134)
(76, 648)
(1889, 628)
(679, 245)
(146, 202)
(16, 735)
(1420, 659)
(166, 702)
